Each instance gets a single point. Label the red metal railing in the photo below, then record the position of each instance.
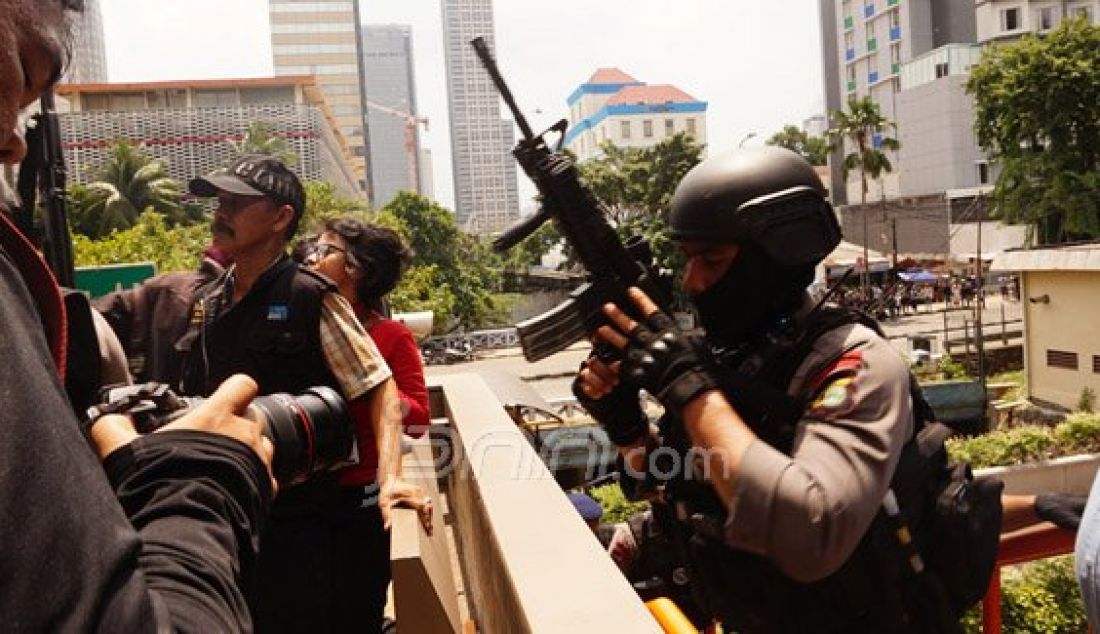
(1029, 544)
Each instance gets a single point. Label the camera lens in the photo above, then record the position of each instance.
(311, 432)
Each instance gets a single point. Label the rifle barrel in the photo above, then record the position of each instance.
(482, 50)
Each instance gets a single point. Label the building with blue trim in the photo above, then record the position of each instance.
(614, 107)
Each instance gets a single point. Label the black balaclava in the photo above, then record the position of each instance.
(750, 296)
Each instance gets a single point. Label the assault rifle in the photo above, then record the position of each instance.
(42, 173)
(613, 266)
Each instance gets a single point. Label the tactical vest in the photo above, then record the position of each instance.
(872, 592)
(272, 334)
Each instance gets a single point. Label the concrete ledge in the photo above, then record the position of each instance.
(424, 593)
(1071, 474)
(529, 563)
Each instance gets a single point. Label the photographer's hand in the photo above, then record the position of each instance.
(219, 414)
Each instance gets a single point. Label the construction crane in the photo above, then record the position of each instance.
(411, 120)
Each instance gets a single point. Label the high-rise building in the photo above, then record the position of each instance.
(391, 111)
(322, 39)
(865, 43)
(486, 198)
(614, 107)
(88, 64)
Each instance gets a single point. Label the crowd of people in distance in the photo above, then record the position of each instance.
(893, 299)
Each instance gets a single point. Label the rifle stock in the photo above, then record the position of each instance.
(581, 220)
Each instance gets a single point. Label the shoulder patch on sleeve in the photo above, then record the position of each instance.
(847, 364)
(835, 399)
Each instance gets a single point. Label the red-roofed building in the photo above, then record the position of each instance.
(612, 106)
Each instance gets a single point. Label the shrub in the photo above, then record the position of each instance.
(1086, 401)
(616, 508)
(1079, 433)
(952, 369)
(1038, 597)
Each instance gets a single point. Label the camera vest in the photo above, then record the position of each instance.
(272, 334)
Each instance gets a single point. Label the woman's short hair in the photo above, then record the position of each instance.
(377, 251)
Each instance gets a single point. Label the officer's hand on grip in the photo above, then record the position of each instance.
(1063, 510)
(657, 355)
(219, 414)
(613, 405)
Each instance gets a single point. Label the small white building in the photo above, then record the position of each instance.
(614, 107)
(1060, 295)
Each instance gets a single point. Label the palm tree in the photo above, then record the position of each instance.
(128, 183)
(261, 138)
(863, 127)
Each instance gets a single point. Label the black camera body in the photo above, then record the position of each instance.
(311, 431)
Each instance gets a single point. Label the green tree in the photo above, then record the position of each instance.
(261, 138)
(450, 271)
(128, 183)
(635, 185)
(864, 128)
(323, 204)
(814, 149)
(1037, 114)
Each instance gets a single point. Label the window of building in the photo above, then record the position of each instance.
(1048, 18)
(691, 126)
(849, 40)
(268, 94)
(647, 128)
(670, 127)
(983, 172)
(314, 27)
(624, 129)
(870, 34)
(215, 98)
(310, 7)
(1082, 12)
(1096, 363)
(1062, 359)
(127, 101)
(942, 70)
(96, 102)
(895, 18)
(1010, 19)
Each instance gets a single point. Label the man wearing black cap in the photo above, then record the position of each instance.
(289, 329)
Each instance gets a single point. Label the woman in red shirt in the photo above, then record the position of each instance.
(366, 262)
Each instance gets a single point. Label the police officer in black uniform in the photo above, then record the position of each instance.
(783, 427)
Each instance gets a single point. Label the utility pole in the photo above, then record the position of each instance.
(979, 339)
(866, 263)
(894, 231)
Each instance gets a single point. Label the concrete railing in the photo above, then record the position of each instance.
(528, 562)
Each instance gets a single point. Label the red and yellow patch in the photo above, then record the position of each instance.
(835, 387)
(835, 399)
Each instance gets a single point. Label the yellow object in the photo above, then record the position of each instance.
(669, 616)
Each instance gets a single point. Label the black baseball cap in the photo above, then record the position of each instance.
(254, 175)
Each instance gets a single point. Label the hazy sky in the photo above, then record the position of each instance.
(756, 64)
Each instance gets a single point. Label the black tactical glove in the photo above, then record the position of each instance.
(670, 365)
(619, 413)
(1060, 509)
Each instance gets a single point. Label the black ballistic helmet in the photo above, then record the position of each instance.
(768, 196)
